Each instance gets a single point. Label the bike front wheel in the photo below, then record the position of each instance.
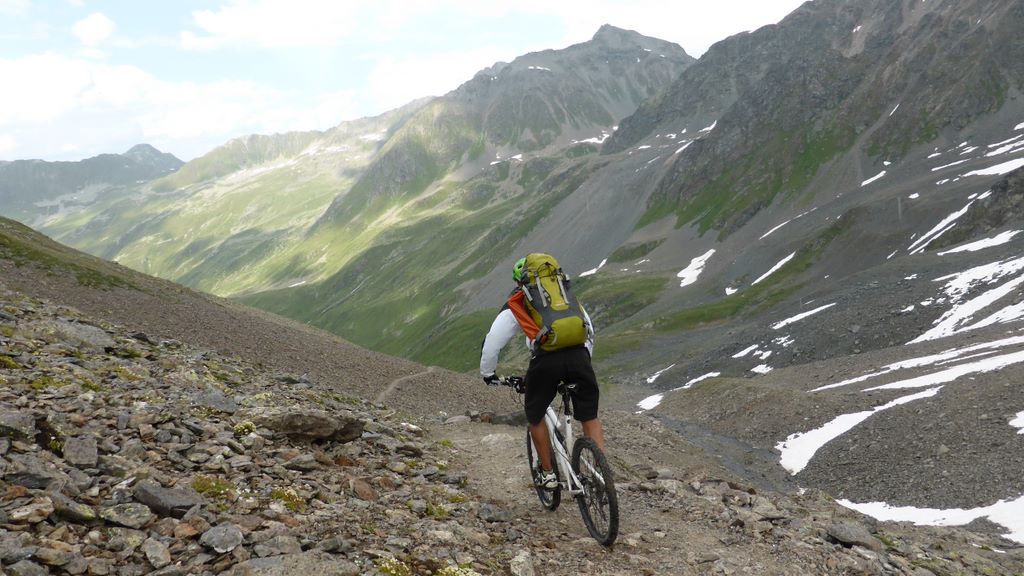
(550, 499)
(599, 504)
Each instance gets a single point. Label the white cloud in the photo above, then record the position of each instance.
(110, 108)
(272, 23)
(7, 143)
(395, 82)
(14, 7)
(94, 29)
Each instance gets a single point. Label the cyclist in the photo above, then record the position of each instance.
(545, 371)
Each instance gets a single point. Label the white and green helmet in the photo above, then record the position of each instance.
(518, 269)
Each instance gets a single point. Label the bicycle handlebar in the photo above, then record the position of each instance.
(515, 382)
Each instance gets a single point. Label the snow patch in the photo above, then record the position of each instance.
(872, 179)
(690, 274)
(1006, 513)
(745, 351)
(768, 233)
(593, 271)
(653, 377)
(929, 360)
(595, 140)
(762, 369)
(993, 364)
(939, 229)
(775, 268)
(998, 169)
(998, 240)
(800, 317)
(731, 291)
(713, 375)
(651, 402)
(798, 449)
(894, 110)
(950, 165)
(958, 285)
(1018, 422)
(710, 128)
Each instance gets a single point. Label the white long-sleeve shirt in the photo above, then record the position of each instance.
(504, 328)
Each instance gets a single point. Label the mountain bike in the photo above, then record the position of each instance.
(585, 475)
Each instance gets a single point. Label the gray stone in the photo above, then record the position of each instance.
(52, 556)
(81, 451)
(18, 425)
(521, 564)
(278, 545)
(216, 400)
(337, 544)
(26, 568)
(340, 426)
(454, 420)
(70, 509)
(131, 515)
(125, 540)
(302, 463)
(14, 549)
(174, 502)
(34, 513)
(851, 534)
(156, 553)
(223, 538)
(312, 562)
(490, 513)
(81, 334)
(114, 465)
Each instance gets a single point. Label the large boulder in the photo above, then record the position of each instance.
(175, 502)
(341, 426)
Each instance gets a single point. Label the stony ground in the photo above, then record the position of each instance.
(123, 452)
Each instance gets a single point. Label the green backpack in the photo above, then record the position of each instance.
(552, 304)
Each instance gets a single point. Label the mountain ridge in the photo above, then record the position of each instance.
(31, 189)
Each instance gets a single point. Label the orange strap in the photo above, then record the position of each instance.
(517, 304)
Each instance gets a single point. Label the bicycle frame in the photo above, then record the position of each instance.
(561, 454)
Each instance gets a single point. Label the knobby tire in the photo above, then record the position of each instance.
(599, 504)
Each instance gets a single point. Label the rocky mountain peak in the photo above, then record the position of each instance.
(149, 155)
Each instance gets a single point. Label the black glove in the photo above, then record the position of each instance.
(492, 380)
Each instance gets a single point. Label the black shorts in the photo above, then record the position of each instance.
(546, 370)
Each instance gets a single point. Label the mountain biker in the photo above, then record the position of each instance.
(546, 370)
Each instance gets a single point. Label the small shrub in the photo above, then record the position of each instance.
(437, 511)
(243, 429)
(213, 487)
(89, 385)
(9, 363)
(289, 498)
(393, 567)
(44, 382)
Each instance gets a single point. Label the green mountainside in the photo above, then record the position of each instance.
(31, 190)
(337, 228)
(622, 155)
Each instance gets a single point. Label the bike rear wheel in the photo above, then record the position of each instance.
(550, 499)
(599, 504)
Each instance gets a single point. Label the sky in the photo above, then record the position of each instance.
(84, 77)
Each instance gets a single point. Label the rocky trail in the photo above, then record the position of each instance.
(123, 453)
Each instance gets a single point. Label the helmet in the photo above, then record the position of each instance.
(518, 270)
